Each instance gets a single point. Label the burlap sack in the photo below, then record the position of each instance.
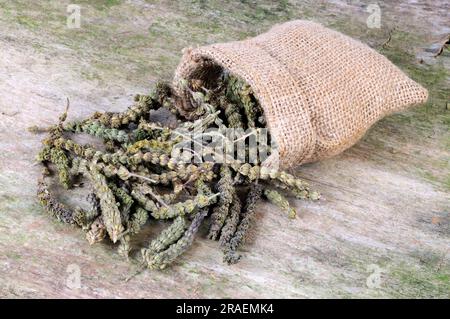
(320, 90)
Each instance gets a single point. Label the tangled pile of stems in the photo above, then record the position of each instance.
(138, 178)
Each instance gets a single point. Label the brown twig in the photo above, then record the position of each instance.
(444, 43)
(386, 43)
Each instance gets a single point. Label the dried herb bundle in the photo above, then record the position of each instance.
(145, 174)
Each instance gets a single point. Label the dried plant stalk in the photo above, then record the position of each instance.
(279, 200)
(231, 256)
(110, 212)
(167, 237)
(166, 257)
(52, 205)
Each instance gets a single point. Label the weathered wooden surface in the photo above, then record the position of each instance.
(385, 201)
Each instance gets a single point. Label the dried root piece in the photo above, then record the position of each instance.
(168, 256)
(279, 200)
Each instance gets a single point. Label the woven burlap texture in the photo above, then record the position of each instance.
(320, 90)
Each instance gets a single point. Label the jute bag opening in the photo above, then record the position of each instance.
(320, 90)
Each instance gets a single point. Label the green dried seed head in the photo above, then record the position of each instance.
(62, 163)
(124, 248)
(168, 256)
(141, 174)
(220, 212)
(52, 206)
(97, 231)
(279, 200)
(138, 220)
(110, 211)
(239, 236)
(231, 222)
(167, 237)
(125, 200)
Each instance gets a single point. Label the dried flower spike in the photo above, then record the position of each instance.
(52, 205)
(232, 221)
(97, 231)
(220, 211)
(110, 212)
(238, 238)
(279, 200)
(167, 237)
(168, 256)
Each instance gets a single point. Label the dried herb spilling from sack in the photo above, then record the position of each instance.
(140, 177)
(320, 91)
